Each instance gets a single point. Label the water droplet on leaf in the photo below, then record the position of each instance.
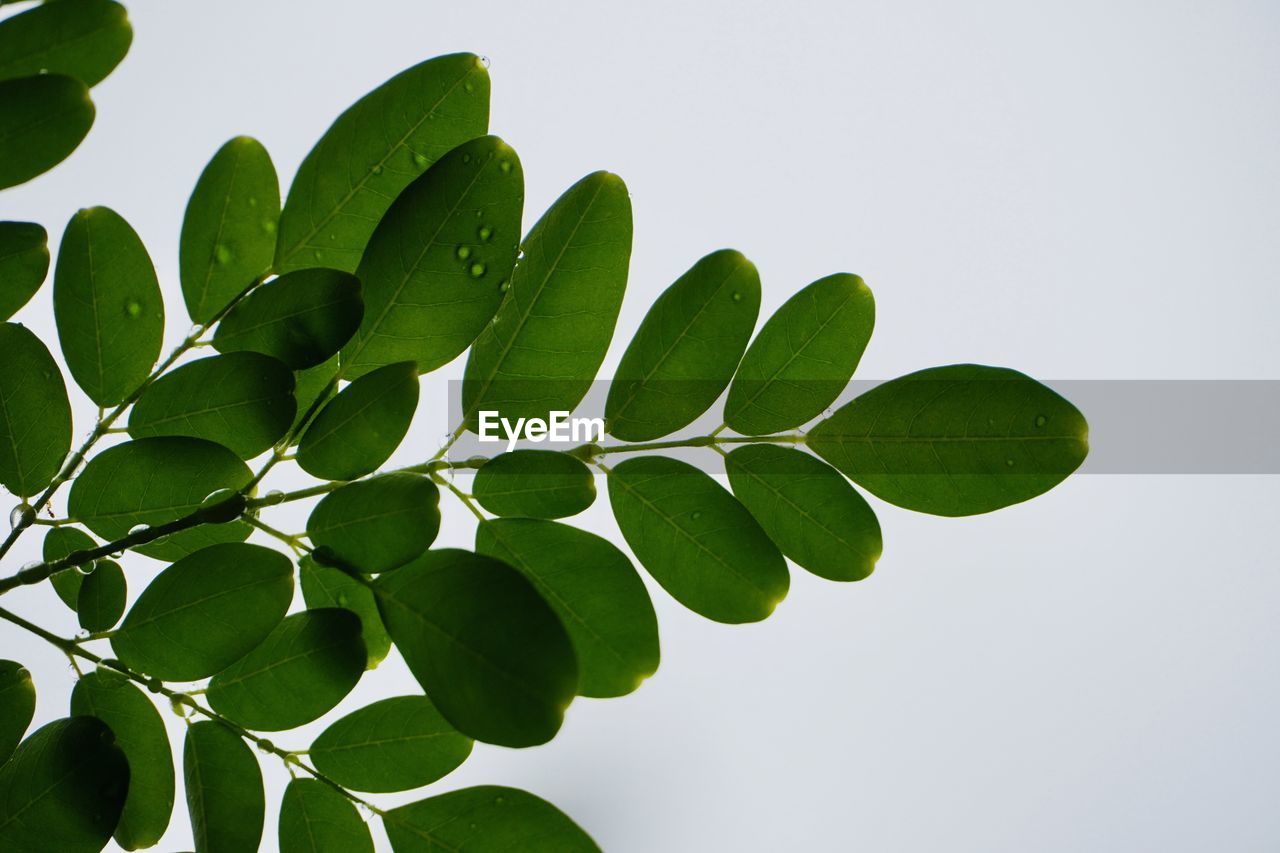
(22, 515)
(420, 160)
(485, 232)
(133, 308)
(222, 254)
(464, 252)
(377, 170)
(477, 270)
(1041, 420)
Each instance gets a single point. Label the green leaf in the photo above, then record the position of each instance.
(595, 591)
(229, 230)
(35, 414)
(17, 706)
(360, 428)
(302, 670)
(140, 732)
(153, 481)
(485, 818)
(696, 540)
(206, 611)
(302, 318)
(434, 270)
(392, 745)
(372, 152)
(63, 789)
(61, 542)
(107, 302)
(378, 524)
(686, 349)
(551, 333)
(24, 262)
(241, 400)
(100, 603)
(810, 512)
(803, 357)
(42, 120)
(313, 387)
(314, 818)
(535, 483)
(224, 790)
(484, 645)
(85, 40)
(957, 440)
(325, 586)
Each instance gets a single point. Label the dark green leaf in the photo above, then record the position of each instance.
(434, 271)
(85, 40)
(229, 230)
(302, 318)
(35, 414)
(392, 745)
(956, 440)
(107, 302)
(803, 357)
(139, 731)
(595, 591)
(301, 671)
(696, 540)
(100, 603)
(24, 262)
(313, 388)
(17, 705)
(372, 152)
(42, 120)
(360, 428)
(63, 789)
(551, 333)
(206, 611)
(535, 483)
(686, 349)
(224, 790)
(810, 512)
(242, 400)
(376, 525)
(153, 481)
(325, 586)
(314, 818)
(61, 542)
(484, 645)
(483, 819)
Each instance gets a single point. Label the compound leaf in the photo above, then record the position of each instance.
(595, 591)
(140, 732)
(810, 512)
(803, 357)
(206, 611)
(372, 152)
(229, 230)
(485, 646)
(35, 414)
(17, 706)
(314, 818)
(300, 671)
(24, 263)
(535, 484)
(378, 524)
(697, 540)
(686, 349)
(392, 745)
(42, 120)
(302, 318)
(435, 268)
(107, 304)
(488, 817)
(360, 428)
(100, 602)
(224, 790)
(86, 40)
(956, 440)
(325, 586)
(546, 343)
(61, 542)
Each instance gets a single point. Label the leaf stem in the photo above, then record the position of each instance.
(460, 495)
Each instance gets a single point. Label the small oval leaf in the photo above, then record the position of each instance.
(300, 671)
(61, 542)
(100, 602)
(434, 270)
(803, 357)
(17, 706)
(85, 40)
(206, 611)
(485, 646)
(106, 300)
(535, 484)
(378, 524)
(24, 263)
(224, 790)
(314, 818)
(485, 818)
(325, 586)
(360, 428)
(697, 540)
(686, 349)
(395, 744)
(35, 414)
(42, 120)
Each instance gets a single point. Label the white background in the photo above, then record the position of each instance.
(1078, 190)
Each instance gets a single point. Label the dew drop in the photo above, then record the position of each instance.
(87, 568)
(466, 158)
(1041, 420)
(697, 514)
(464, 252)
(22, 515)
(505, 166)
(420, 160)
(133, 308)
(499, 800)
(269, 226)
(485, 232)
(266, 747)
(477, 270)
(473, 826)
(1009, 462)
(484, 60)
(377, 170)
(138, 528)
(505, 286)
(155, 685)
(342, 599)
(31, 572)
(737, 297)
(469, 87)
(253, 202)
(319, 255)
(273, 497)
(222, 254)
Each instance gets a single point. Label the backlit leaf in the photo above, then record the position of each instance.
(302, 318)
(42, 120)
(378, 524)
(35, 414)
(85, 40)
(61, 542)
(535, 484)
(325, 586)
(314, 818)
(17, 705)
(485, 818)
(100, 602)
(24, 262)
(224, 790)
(360, 428)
